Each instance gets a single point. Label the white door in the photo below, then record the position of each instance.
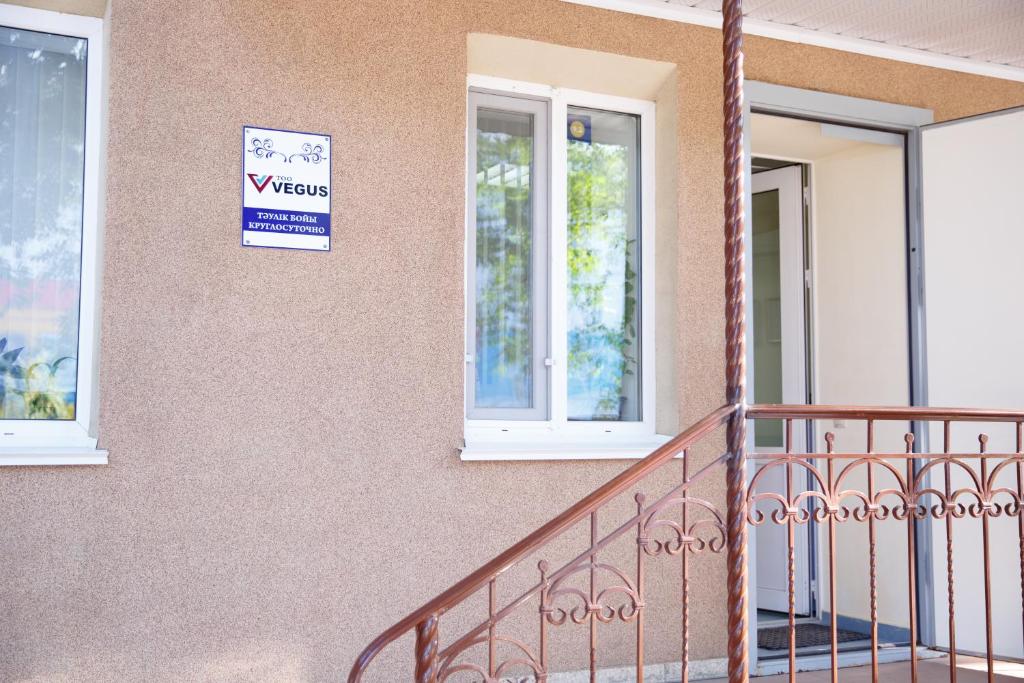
(973, 243)
(779, 366)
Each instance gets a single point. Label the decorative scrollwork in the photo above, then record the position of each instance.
(522, 657)
(264, 149)
(598, 608)
(705, 532)
(797, 508)
(909, 497)
(312, 154)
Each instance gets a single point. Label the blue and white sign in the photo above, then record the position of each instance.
(286, 189)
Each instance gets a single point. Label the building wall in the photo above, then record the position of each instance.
(284, 479)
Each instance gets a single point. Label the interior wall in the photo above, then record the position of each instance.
(283, 427)
(862, 346)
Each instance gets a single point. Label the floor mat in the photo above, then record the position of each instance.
(807, 635)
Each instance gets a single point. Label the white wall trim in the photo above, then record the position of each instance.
(581, 449)
(660, 9)
(36, 457)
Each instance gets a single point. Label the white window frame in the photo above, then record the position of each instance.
(539, 258)
(558, 437)
(71, 442)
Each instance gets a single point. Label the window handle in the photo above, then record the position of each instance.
(469, 358)
(549, 362)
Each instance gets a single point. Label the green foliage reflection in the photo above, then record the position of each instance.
(602, 281)
(31, 392)
(504, 247)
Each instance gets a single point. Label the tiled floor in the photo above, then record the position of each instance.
(969, 670)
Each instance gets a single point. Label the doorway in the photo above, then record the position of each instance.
(830, 324)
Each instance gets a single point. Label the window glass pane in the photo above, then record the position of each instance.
(767, 314)
(42, 154)
(604, 272)
(504, 259)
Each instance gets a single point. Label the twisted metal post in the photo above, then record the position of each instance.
(735, 333)
(426, 650)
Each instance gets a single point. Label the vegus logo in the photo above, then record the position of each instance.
(260, 182)
(282, 186)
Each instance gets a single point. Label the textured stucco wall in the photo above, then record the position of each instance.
(284, 480)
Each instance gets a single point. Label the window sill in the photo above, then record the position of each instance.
(41, 456)
(634, 449)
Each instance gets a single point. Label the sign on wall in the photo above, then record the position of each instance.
(286, 189)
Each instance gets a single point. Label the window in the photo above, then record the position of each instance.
(559, 335)
(509, 342)
(49, 130)
(603, 266)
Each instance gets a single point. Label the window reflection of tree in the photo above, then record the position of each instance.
(603, 284)
(504, 260)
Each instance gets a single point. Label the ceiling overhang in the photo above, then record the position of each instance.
(795, 34)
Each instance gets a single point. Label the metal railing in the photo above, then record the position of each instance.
(834, 486)
(434, 663)
(827, 486)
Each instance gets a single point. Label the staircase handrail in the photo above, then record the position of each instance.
(482, 576)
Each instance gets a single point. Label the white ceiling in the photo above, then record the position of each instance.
(982, 36)
(986, 30)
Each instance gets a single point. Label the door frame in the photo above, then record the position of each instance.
(769, 98)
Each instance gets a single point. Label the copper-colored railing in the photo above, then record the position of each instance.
(434, 664)
(680, 524)
(901, 485)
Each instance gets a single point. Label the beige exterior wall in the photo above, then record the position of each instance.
(284, 479)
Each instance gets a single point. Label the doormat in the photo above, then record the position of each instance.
(807, 635)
